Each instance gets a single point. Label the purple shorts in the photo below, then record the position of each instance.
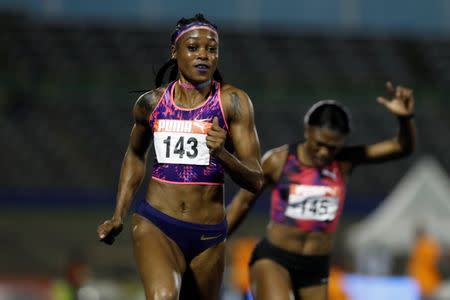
(192, 238)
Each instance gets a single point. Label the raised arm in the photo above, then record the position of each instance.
(272, 163)
(244, 165)
(400, 105)
(133, 166)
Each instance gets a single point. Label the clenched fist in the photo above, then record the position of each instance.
(215, 139)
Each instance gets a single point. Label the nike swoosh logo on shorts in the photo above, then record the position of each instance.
(205, 237)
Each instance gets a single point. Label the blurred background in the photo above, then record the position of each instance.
(66, 71)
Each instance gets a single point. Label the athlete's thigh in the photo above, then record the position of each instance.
(270, 281)
(159, 260)
(315, 292)
(203, 277)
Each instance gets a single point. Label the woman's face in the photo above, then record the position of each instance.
(197, 54)
(322, 144)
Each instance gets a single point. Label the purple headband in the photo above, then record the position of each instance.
(192, 26)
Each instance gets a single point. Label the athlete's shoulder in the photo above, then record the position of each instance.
(236, 103)
(150, 98)
(228, 90)
(273, 160)
(276, 154)
(146, 103)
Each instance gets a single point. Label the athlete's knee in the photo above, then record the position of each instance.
(161, 293)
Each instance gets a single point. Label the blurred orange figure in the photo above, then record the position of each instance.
(335, 284)
(241, 251)
(423, 262)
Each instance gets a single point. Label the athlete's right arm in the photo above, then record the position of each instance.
(271, 163)
(133, 165)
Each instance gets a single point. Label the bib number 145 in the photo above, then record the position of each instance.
(312, 202)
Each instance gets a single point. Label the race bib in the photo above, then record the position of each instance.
(311, 202)
(181, 142)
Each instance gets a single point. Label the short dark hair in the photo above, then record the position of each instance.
(329, 114)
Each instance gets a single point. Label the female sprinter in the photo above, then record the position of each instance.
(200, 128)
(308, 181)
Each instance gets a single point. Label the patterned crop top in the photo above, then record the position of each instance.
(179, 138)
(308, 198)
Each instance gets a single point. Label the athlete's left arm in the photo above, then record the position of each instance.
(244, 166)
(400, 105)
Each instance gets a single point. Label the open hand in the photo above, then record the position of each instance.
(401, 102)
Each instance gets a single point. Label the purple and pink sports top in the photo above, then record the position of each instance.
(179, 138)
(308, 198)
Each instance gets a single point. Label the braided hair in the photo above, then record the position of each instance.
(172, 63)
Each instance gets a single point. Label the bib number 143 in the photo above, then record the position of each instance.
(181, 148)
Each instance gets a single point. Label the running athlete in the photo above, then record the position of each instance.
(199, 128)
(308, 190)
